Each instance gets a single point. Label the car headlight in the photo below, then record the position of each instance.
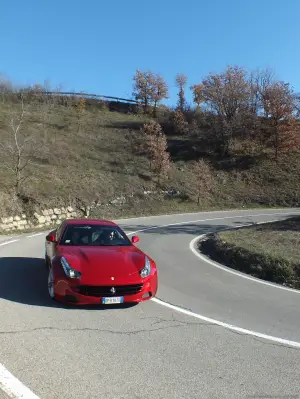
(72, 273)
(145, 272)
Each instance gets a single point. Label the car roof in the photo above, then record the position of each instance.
(90, 221)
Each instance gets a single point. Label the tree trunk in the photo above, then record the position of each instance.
(276, 140)
(181, 100)
(146, 106)
(154, 109)
(18, 173)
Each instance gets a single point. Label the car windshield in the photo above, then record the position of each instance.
(94, 235)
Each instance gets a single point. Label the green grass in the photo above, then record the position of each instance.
(270, 251)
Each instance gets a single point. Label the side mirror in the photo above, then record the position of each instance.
(135, 239)
(51, 237)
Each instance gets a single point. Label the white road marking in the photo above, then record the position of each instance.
(7, 242)
(228, 326)
(34, 235)
(13, 387)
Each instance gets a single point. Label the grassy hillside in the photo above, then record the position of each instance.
(270, 251)
(100, 158)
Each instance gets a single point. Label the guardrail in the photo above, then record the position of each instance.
(88, 95)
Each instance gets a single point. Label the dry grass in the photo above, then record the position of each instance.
(99, 156)
(102, 159)
(279, 240)
(270, 251)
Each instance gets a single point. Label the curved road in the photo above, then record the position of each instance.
(151, 350)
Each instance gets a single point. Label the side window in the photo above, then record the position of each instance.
(96, 235)
(59, 231)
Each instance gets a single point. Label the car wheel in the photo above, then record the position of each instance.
(51, 284)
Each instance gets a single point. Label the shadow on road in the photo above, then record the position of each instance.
(189, 228)
(196, 228)
(24, 280)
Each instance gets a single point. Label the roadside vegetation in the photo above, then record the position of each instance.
(236, 146)
(269, 251)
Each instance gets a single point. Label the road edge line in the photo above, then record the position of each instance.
(240, 330)
(8, 242)
(13, 387)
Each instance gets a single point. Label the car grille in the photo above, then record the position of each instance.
(107, 290)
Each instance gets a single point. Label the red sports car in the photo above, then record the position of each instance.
(94, 262)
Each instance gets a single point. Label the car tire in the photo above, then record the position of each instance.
(51, 283)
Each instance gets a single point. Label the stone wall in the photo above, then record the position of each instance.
(45, 218)
(50, 217)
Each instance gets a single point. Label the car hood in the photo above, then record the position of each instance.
(98, 265)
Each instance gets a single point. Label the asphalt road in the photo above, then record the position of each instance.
(150, 350)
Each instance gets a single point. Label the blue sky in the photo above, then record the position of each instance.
(96, 45)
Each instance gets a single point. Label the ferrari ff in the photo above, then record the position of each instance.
(94, 262)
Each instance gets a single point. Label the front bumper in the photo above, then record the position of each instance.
(69, 293)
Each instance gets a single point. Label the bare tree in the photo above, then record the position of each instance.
(19, 147)
(181, 81)
(262, 81)
(297, 105)
(156, 147)
(80, 107)
(6, 87)
(279, 106)
(203, 182)
(149, 132)
(161, 160)
(226, 95)
(144, 87)
(254, 93)
(288, 136)
(180, 124)
(197, 90)
(160, 91)
(149, 89)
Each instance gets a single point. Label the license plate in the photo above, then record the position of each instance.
(111, 301)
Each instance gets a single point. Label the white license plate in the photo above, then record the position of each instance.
(111, 301)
